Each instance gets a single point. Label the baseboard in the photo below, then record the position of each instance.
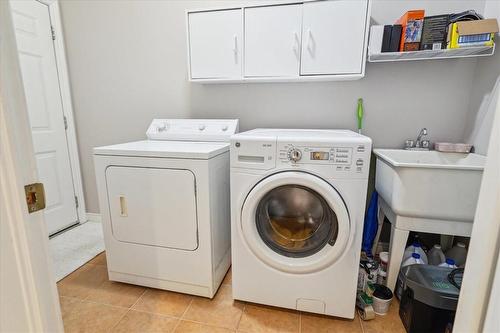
(93, 217)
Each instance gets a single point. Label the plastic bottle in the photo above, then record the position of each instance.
(436, 255)
(413, 260)
(457, 253)
(415, 248)
(448, 263)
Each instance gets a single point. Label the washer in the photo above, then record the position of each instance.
(297, 202)
(165, 205)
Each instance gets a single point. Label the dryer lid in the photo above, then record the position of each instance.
(171, 149)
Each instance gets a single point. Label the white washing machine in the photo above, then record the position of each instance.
(165, 205)
(297, 203)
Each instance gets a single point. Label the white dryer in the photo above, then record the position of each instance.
(297, 203)
(165, 205)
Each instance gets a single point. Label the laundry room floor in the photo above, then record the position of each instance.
(92, 303)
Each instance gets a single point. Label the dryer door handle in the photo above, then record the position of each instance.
(123, 206)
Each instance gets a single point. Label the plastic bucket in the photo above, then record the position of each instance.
(382, 297)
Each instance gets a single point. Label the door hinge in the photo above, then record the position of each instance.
(53, 32)
(76, 201)
(65, 122)
(35, 197)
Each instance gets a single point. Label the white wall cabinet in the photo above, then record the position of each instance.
(273, 41)
(298, 41)
(333, 37)
(215, 44)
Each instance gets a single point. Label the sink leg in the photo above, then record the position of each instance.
(397, 245)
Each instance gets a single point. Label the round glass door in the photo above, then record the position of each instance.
(295, 221)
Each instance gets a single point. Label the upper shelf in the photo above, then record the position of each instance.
(480, 51)
(375, 43)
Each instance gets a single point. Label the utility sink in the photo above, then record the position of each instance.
(429, 184)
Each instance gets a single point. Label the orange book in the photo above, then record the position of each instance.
(412, 22)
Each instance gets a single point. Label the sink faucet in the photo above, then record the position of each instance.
(418, 144)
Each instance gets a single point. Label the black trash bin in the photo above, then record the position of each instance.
(429, 300)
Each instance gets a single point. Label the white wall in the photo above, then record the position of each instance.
(127, 63)
(482, 99)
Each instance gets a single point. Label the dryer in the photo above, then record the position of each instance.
(165, 205)
(298, 202)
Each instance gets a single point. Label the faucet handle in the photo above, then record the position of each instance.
(409, 144)
(426, 144)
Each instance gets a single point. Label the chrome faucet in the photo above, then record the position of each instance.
(418, 144)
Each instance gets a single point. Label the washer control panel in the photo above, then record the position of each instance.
(342, 158)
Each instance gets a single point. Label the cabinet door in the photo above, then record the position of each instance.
(215, 40)
(333, 37)
(272, 40)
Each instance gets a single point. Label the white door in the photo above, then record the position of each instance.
(215, 43)
(41, 85)
(153, 207)
(333, 37)
(272, 40)
(28, 294)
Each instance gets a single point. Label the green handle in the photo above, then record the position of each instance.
(360, 113)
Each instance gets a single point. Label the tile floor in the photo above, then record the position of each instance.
(92, 303)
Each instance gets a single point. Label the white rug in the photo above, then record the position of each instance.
(75, 247)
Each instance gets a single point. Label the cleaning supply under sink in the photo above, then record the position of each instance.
(414, 259)
(436, 255)
(415, 248)
(458, 253)
(450, 263)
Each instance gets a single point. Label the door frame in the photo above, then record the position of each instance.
(67, 105)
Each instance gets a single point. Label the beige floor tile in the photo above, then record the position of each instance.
(83, 281)
(116, 293)
(190, 327)
(390, 323)
(68, 304)
(163, 302)
(228, 278)
(221, 311)
(311, 323)
(92, 317)
(100, 259)
(135, 321)
(260, 318)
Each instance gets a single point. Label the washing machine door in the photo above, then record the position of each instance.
(295, 222)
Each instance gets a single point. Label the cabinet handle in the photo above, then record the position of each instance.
(235, 48)
(296, 44)
(310, 42)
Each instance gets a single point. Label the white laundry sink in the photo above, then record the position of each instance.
(429, 184)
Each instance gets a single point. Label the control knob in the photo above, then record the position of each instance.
(294, 155)
(162, 127)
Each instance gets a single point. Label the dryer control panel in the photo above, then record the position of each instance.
(192, 129)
